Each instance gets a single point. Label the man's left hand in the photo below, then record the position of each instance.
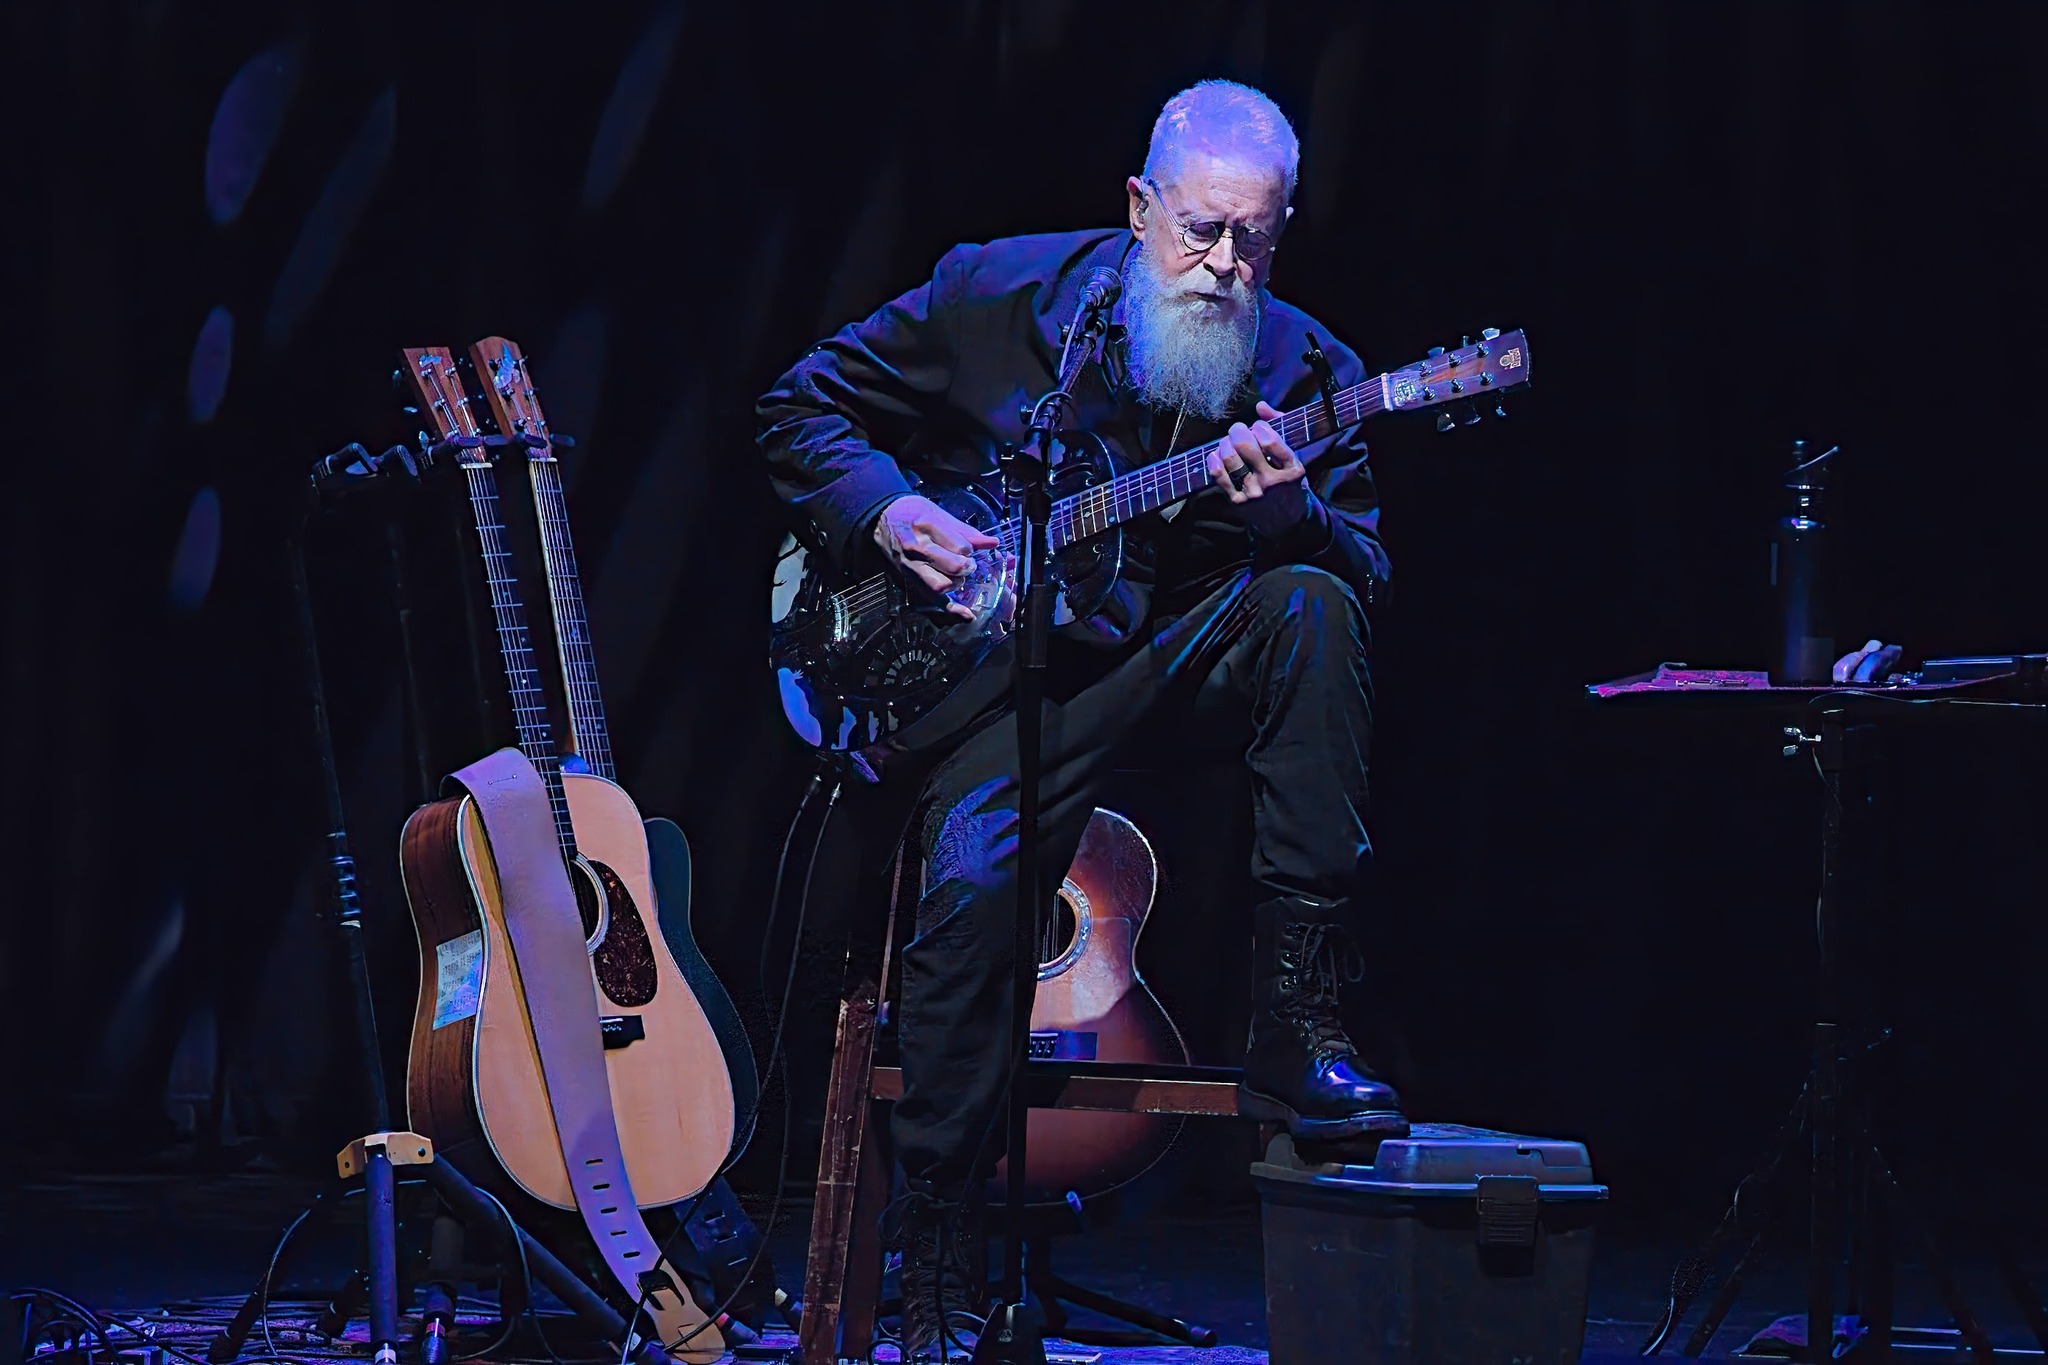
(1258, 472)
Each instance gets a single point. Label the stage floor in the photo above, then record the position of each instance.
(137, 1243)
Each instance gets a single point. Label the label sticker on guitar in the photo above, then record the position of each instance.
(458, 978)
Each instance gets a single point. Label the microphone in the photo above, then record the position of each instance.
(1103, 289)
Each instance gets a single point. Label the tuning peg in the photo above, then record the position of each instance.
(1488, 333)
(1435, 351)
(1468, 413)
(1464, 343)
(1444, 422)
(1500, 409)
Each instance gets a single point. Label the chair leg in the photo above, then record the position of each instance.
(864, 1239)
(830, 1332)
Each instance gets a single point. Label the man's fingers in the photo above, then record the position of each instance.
(957, 536)
(929, 576)
(939, 557)
(1226, 467)
(1267, 410)
(1272, 448)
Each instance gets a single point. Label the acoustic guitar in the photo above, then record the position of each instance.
(474, 1078)
(500, 367)
(871, 666)
(1093, 1005)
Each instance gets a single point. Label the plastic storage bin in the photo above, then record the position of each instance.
(1457, 1246)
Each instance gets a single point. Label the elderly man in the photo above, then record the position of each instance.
(1250, 630)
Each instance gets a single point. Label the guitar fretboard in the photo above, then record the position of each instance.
(515, 646)
(572, 627)
(1167, 481)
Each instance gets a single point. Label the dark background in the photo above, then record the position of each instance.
(1723, 227)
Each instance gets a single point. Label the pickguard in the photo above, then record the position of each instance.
(624, 959)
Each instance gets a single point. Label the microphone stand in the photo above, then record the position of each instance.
(1014, 1331)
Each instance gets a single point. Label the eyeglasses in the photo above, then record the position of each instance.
(1200, 238)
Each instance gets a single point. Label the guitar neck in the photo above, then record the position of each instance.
(588, 738)
(1167, 481)
(515, 647)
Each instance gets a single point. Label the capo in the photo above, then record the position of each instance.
(1326, 379)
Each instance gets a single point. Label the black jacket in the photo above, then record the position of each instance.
(942, 378)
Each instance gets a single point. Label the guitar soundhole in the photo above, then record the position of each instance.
(1061, 925)
(908, 659)
(589, 903)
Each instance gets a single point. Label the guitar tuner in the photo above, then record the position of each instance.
(1435, 351)
(1469, 413)
(1443, 421)
(1489, 333)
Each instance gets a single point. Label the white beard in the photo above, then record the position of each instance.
(1188, 351)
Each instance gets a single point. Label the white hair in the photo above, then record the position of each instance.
(1225, 120)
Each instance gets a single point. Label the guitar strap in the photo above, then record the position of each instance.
(561, 1004)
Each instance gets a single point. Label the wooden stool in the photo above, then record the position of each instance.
(843, 1274)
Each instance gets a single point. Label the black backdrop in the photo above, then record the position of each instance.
(1722, 226)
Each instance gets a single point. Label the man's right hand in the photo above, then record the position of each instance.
(930, 544)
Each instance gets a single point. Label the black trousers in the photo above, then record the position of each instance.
(1271, 666)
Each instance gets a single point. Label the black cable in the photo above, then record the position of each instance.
(87, 1318)
(626, 1338)
(761, 969)
(776, 1056)
(782, 866)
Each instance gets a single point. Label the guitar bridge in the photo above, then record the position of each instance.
(621, 1029)
(1061, 1045)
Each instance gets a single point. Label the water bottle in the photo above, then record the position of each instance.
(1806, 644)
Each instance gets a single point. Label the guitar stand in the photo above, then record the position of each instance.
(376, 1155)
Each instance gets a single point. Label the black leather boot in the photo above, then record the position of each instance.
(938, 1234)
(1300, 1067)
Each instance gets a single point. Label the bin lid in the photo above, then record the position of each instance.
(1443, 1159)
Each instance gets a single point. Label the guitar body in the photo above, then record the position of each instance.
(860, 655)
(475, 1074)
(668, 850)
(1092, 1004)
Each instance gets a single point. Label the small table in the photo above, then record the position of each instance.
(1846, 1164)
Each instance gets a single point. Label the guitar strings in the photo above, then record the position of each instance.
(1069, 514)
(572, 631)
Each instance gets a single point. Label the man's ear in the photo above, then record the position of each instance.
(1135, 189)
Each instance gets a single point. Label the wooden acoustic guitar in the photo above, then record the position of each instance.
(500, 368)
(474, 1079)
(1093, 1005)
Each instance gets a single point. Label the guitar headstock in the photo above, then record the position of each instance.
(501, 369)
(431, 369)
(1464, 376)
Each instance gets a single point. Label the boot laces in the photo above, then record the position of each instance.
(935, 1271)
(1314, 1005)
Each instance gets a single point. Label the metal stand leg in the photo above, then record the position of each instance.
(1052, 1291)
(1854, 1199)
